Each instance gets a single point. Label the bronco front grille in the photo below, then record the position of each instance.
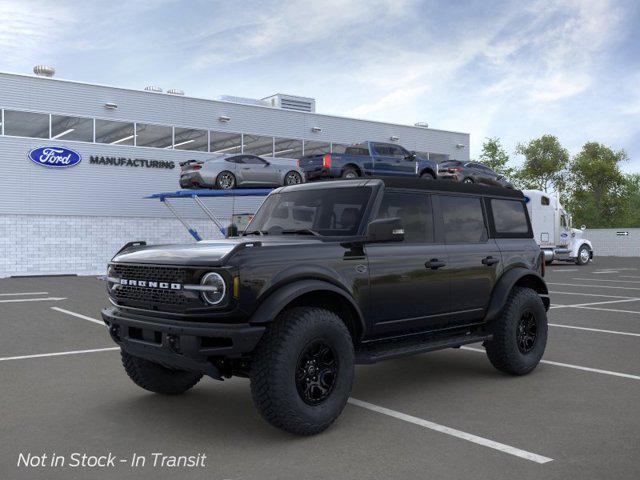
(151, 298)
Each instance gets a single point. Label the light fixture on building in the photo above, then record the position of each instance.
(153, 88)
(111, 105)
(393, 138)
(175, 91)
(44, 71)
(422, 124)
(181, 143)
(224, 119)
(460, 145)
(124, 139)
(316, 129)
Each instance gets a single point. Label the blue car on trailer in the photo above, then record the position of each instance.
(367, 159)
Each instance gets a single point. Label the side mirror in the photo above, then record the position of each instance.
(583, 227)
(385, 230)
(411, 156)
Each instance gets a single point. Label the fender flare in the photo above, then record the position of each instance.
(505, 284)
(273, 304)
(580, 243)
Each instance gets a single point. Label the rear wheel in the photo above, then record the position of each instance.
(349, 173)
(428, 175)
(292, 178)
(584, 255)
(302, 370)
(225, 180)
(156, 378)
(520, 334)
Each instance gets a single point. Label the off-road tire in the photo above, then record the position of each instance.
(579, 260)
(156, 378)
(503, 350)
(276, 363)
(428, 175)
(350, 172)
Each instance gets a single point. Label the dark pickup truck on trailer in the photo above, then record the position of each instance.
(368, 159)
(328, 275)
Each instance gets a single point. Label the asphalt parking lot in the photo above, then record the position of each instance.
(440, 415)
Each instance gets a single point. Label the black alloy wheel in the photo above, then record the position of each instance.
(527, 332)
(292, 178)
(316, 372)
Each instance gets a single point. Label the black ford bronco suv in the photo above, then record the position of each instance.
(329, 275)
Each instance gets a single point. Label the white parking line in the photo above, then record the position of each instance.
(57, 354)
(598, 330)
(629, 276)
(568, 365)
(49, 299)
(603, 280)
(79, 315)
(594, 286)
(563, 270)
(606, 271)
(588, 294)
(23, 293)
(610, 310)
(588, 304)
(485, 442)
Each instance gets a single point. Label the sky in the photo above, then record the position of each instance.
(514, 70)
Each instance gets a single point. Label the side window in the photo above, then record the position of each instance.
(509, 217)
(544, 200)
(397, 151)
(381, 149)
(415, 212)
(463, 219)
(250, 159)
(235, 160)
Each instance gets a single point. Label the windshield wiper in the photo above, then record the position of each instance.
(302, 231)
(254, 232)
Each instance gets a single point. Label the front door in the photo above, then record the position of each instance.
(256, 171)
(409, 280)
(474, 259)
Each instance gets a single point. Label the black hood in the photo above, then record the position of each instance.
(208, 252)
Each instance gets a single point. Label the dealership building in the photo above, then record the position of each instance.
(128, 144)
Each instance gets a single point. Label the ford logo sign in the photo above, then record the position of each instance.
(55, 157)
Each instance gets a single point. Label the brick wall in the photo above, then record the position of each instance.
(48, 245)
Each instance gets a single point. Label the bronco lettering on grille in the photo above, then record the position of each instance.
(151, 284)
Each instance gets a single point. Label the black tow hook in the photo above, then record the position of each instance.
(173, 342)
(114, 331)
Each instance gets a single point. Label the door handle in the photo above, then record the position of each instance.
(434, 264)
(488, 261)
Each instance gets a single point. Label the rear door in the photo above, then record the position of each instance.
(474, 258)
(409, 280)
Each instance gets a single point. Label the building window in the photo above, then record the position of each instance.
(26, 124)
(287, 148)
(227, 143)
(114, 133)
(312, 147)
(338, 147)
(71, 128)
(190, 139)
(157, 136)
(258, 145)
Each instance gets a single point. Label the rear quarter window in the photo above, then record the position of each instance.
(510, 218)
(463, 219)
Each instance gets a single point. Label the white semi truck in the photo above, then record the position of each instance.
(553, 231)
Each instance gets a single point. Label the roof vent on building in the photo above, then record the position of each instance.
(291, 102)
(422, 124)
(44, 71)
(175, 91)
(153, 88)
(243, 100)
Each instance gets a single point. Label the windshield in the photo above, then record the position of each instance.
(327, 212)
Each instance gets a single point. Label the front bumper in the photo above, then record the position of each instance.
(179, 344)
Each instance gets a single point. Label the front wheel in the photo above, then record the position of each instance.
(520, 334)
(584, 255)
(468, 180)
(225, 180)
(428, 175)
(302, 370)
(292, 178)
(156, 378)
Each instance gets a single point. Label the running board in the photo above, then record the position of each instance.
(386, 349)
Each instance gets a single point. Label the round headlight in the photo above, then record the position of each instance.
(216, 288)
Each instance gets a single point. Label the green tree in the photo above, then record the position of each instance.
(599, 191)
(545, 164)
(495, 156)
